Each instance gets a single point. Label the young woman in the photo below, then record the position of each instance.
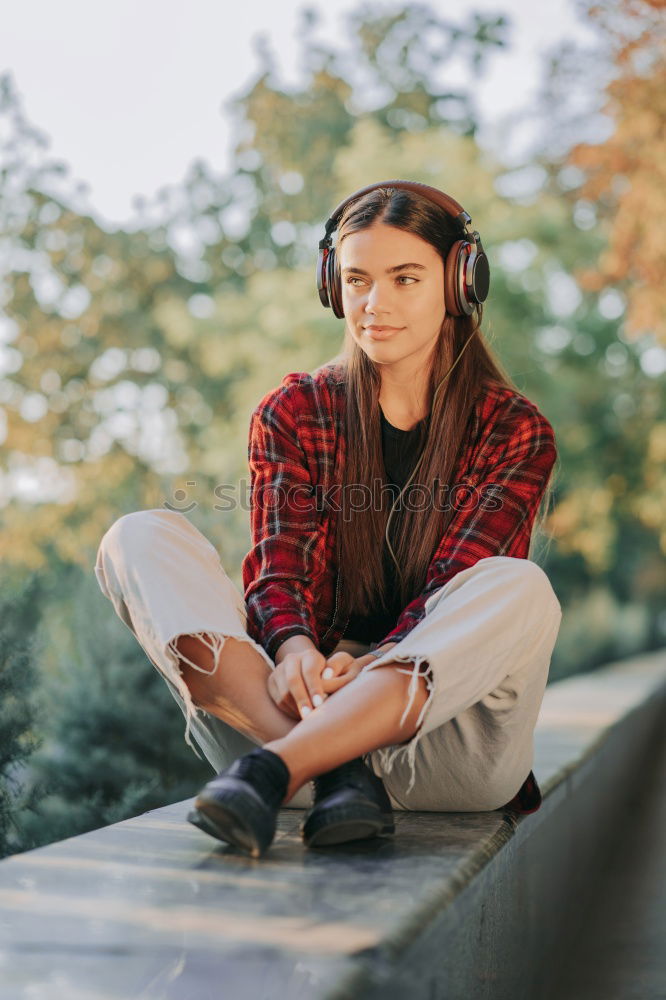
(393, 643)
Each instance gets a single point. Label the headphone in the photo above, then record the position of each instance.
(466, 270)
(466, 278)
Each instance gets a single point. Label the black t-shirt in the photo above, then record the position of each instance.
(401, 452)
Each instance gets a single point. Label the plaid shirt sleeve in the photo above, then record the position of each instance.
(278, 569)
(509, 480)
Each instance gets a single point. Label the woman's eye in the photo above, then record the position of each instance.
(400, 277)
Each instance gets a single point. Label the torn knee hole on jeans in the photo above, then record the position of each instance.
(213, 642)
(215, 647)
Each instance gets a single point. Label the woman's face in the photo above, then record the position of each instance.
(392, 279)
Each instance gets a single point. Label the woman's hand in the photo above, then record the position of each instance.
(297, 684)
(303, 680)
(342, 667)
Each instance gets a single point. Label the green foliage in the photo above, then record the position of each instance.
(112, 735)
(19, 614)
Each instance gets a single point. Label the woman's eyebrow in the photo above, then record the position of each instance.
(389, 270)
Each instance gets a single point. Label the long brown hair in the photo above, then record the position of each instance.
(414, 534)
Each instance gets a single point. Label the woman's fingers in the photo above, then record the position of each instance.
(296, 684)
(279, 692)
(311, 668)
(299, 684)
(280, 695)
(336, 664)
(334, 684)
(334, 675)
(342, 673)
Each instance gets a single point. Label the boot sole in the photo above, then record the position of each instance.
(338, 827)
(225, 821)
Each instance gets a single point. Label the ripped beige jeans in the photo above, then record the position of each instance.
(486, 643)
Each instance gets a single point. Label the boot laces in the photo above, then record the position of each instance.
(257, 766)
(344, 773)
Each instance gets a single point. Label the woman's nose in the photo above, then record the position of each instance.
(378, 298)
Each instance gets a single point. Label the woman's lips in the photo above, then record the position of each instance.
(381, 333)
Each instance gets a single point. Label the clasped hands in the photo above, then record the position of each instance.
(302, 681)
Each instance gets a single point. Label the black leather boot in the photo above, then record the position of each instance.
(241, 805)
(350, 803)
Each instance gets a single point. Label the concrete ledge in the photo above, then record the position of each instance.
(457, 905)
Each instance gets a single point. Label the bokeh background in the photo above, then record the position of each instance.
(158, 235)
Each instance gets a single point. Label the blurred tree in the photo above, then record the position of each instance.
(388, 69)
(95, 390)
(20, 606)
(112, 736)
(626, 173)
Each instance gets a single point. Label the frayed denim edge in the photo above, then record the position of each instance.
(215, 647)
(190, 708)
(388, 755)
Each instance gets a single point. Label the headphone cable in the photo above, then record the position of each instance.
(388, 522)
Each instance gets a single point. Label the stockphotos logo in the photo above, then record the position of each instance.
(301, 499)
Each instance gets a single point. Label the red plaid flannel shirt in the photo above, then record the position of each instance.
(296, 455)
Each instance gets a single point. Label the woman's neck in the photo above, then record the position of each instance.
(402, 405)
(400, 416)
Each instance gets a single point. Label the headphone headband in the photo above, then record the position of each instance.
(445, 201)
(466, 270)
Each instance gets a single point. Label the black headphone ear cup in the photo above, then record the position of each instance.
(480, 277)
(334, 286)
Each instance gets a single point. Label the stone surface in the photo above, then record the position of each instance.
(150, 902)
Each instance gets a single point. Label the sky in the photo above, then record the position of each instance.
(130, 93)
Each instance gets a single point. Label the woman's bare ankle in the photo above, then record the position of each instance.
(298, 776)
